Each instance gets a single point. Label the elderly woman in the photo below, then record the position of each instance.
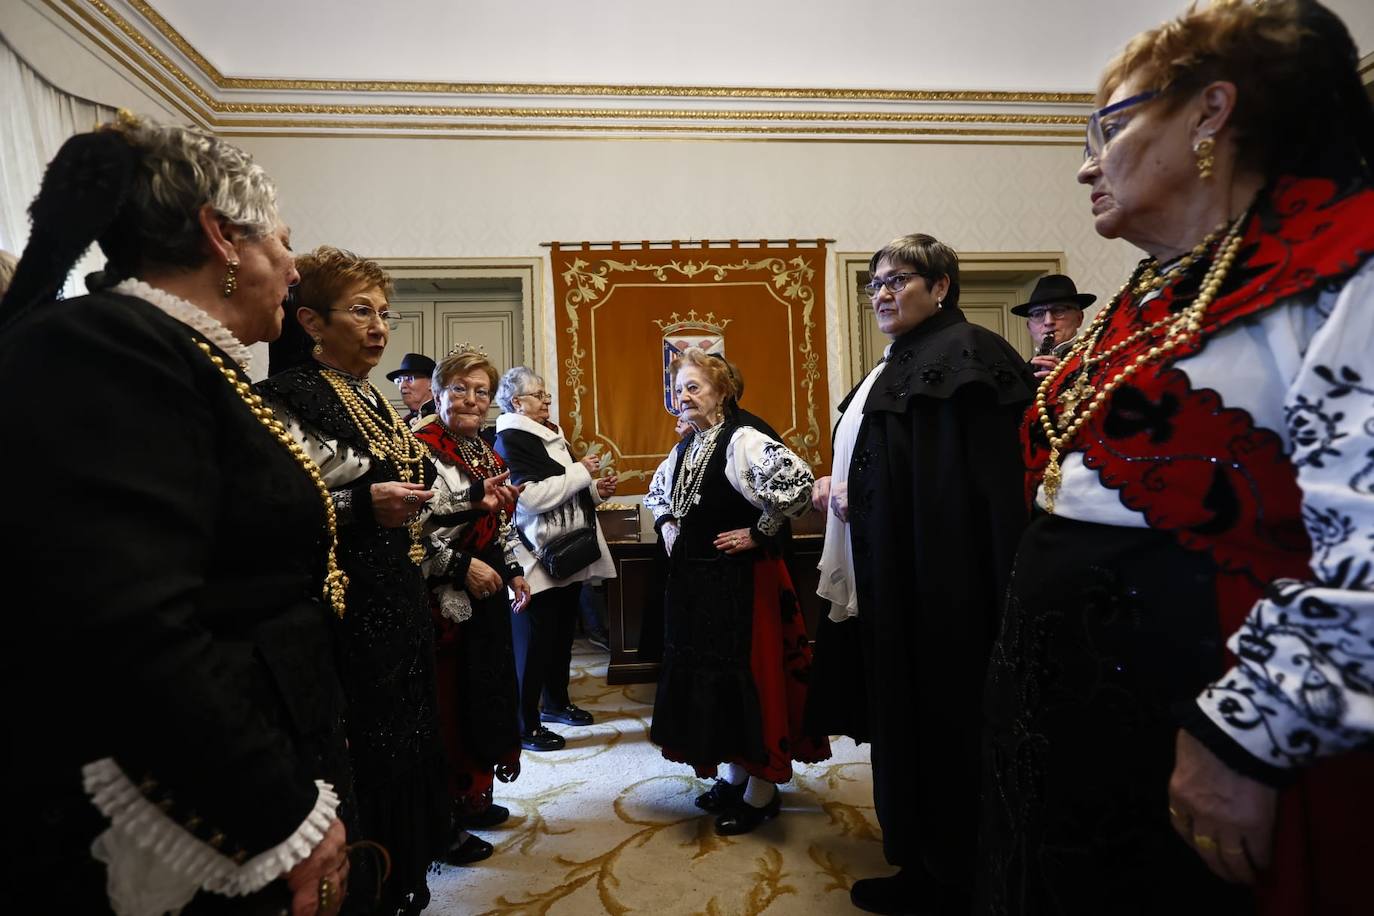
(925, 505)
(188, 748)
(378, 476)
(735, 654)
(1201, 459)
(471, 567)
(556, 511)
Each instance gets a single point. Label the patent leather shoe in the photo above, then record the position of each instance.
(742, 817)
(720, 796)
(541, 739)
(493, 816)
(471, 849)
(896, 894)
(568, 715)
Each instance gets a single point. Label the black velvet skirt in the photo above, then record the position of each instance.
(1108, 631)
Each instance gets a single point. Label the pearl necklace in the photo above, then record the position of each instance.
(1081, 401)
(687, 488)
(395, 441)
(335, 580)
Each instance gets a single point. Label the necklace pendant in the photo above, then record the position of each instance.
(1052, 479)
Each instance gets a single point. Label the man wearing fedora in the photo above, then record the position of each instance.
(1053, 315)
(413, 378)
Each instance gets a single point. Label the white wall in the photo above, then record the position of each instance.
(501, 198)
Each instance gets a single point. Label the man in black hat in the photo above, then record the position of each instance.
(413, 378)
(1053, 315)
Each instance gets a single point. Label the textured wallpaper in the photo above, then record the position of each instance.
(501, 198)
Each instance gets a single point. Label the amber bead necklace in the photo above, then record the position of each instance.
(1081, 400)
(479, 457)
(1151, 278)
(393, 441)
(335, 580)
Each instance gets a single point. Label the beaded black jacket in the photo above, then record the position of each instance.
(172, 553)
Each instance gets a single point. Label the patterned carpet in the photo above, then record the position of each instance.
(606, 825)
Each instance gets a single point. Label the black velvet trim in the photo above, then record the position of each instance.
(661, 521)
(1197, 723)
(458, 566)
(768, 543)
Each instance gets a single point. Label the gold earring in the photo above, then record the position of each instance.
(231, 278)
(318, 348)
(1203, 151)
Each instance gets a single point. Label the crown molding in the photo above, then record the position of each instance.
(137, 37)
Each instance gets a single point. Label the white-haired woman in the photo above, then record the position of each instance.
(557, 509)
(182, 547)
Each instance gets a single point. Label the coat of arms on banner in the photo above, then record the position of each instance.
(679, 334)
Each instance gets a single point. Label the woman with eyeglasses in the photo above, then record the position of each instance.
(475, 585)
(1180, 702)
(379, 476)
(924, 505)
(557, 509)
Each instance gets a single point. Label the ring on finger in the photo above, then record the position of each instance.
(412, 498)
(1204, 843)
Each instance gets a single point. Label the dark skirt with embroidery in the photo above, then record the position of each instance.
(736, 660)
(475, 670)
(1107, 631)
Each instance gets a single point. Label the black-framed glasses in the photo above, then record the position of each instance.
(1100, 132)
(895, 283)
(366, 314)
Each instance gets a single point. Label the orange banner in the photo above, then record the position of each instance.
(622, 312)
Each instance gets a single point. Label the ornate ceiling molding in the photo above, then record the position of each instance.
(135, 35)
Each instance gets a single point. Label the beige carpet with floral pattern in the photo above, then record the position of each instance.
(606, 825)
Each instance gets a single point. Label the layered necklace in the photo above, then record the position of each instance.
(389, 439)
(335, 580)
(687, 487)
(1084, 398)
(478, 456)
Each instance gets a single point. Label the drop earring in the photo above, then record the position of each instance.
(1202, 150)
(317, 349)
(231, 278)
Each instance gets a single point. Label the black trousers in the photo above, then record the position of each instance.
(543, 635)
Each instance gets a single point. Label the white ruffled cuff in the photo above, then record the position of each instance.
(155, 865)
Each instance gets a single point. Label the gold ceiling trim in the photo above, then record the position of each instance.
(151, 50)
(409, 133)
(96, 32)
(648, 114)
(220, 81)
(553, 129)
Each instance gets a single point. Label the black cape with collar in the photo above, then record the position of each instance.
(936, 506)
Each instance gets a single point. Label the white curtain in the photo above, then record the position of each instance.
(35, 119)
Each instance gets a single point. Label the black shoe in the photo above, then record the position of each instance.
(602, 640)
(472, 849)
(568, 715)
(743, 817)
(494, 816)
(541, 739)
(720, 796)
(895, 894)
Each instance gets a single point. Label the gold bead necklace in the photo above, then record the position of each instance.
(1150, 279)
(1081, 401)
(335, 580)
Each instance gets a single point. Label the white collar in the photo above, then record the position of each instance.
(525, 424)
(191, 315)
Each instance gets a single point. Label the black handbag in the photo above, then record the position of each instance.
(570, 553)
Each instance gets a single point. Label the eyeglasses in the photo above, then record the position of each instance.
(541, 395)
(1100, 133)
(895, 283)
(366, 314)
(461, 392)
(1058, 311)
